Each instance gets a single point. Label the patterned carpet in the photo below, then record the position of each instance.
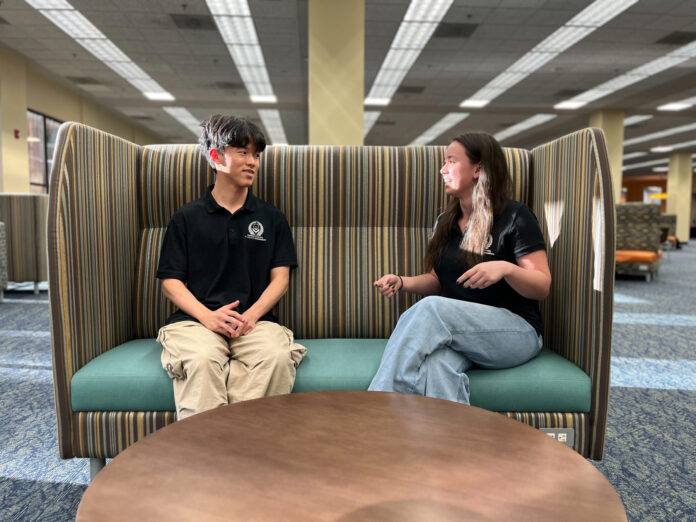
(651, 436)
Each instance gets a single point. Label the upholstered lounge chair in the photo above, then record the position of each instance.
(668, 231)
(638, 239)
(24, 216)
(355, 213)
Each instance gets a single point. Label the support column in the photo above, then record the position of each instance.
(679, 180)
(612, 123)
(14, 153)
(336, 71)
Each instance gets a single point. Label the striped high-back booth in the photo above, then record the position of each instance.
(24, 216)
(355, 213)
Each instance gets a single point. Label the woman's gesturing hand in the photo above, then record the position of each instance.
(484, 274)
(389, 284)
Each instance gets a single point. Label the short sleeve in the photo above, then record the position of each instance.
(173, 263)
(284, 251)
(527, 233)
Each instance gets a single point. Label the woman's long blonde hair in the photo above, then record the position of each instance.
(489, 198)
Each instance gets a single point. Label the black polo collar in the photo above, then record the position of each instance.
(212, 206)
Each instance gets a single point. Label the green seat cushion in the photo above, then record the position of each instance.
(548, 382)
(128, 377)
(338, 364)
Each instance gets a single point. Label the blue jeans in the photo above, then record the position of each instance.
(438, 339)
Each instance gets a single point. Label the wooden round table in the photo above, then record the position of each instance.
(349, 456)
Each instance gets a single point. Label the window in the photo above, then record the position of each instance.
(41, 140)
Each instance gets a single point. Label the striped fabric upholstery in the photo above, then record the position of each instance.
(355, 212)
(93, 246)
(359, 212)
(24, 216)
(170, 176)
(104, 434)
(3, 258)
(573, 199)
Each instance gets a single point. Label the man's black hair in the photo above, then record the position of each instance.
(229, 131)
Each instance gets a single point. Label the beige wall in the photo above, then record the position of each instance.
(22, 88)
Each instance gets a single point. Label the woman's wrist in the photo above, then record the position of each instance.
(402, 283)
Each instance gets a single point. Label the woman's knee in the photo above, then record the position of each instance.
(428, 306)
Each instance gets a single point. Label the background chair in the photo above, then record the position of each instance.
(638, 239)
(24, 216)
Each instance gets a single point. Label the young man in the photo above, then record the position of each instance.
(225, 262)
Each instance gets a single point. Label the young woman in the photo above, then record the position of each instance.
(487, 268)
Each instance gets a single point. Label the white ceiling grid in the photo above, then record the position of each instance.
(476, 41)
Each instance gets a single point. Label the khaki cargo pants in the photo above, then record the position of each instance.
(210, 370)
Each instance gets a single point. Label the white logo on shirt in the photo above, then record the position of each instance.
(255, 231)
(487, 250)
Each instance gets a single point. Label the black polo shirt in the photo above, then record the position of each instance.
(225, 257)
(515, 233)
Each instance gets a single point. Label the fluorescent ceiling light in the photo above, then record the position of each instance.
(183, 116)
(413, 35)
(645, 164)
(432, 11)
(534, 121)
(158, 96)
(417, 27)
(49, 4)
(103, 49)
(688, 50)
(236, 26)
(660, 169)
(75, 25)
(446, 123)
(660, 134)
(674, 106)
(228, 7)
(599, 13)
(673, 146)
(570, 105)
(399, 59)
(633, 155)
(588, 20)
(247, 55)
(369, 120)
(129, 71)
(377, 101)
(237, 30)
(389, 77)
(474, 103)
(635, 75)
(263, 98)
(632, 120)
(561, 39)
(678, 105)
(274, 126)
(526, 65)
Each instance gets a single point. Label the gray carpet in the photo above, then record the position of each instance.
(651, 435)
